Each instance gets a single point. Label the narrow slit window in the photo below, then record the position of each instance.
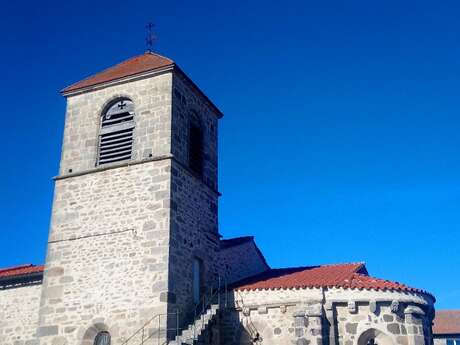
(116, 136)
(196, 148)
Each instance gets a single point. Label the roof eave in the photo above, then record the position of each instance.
(71, 91)
(445, 335)
(21, 279)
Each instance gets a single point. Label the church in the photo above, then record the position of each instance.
(135, 255)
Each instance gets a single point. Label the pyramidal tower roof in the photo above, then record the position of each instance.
(136, 65)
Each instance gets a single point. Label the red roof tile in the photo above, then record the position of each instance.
(447, 322)
(20, 270)
(136, 65)
(361, 281)
(351, 276)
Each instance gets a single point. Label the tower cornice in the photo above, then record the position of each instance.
(101, 168)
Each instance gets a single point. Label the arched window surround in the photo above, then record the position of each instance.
(116, 131)
(374, 336)
(89, 335)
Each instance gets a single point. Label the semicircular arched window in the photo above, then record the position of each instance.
(102, 338)
(116, 134)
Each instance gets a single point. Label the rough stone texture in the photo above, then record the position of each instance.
(194, 199)
(187, 102)
(284, 320)
(317, 317)
(152, 133)
(19, 315)
(193, 235)
(123, 237)
(240, 262)
(108, 253)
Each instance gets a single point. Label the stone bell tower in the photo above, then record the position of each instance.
(134, 229)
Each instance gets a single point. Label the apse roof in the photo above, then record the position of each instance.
(349, 276)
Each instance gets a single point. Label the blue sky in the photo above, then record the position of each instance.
(340, 140)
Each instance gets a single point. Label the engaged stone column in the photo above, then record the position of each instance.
(314, 314)
(300, 328)
(414, 325)
(329, 308)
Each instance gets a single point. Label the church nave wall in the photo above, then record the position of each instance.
(19, 315)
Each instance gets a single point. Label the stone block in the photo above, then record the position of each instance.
(351, 328)
(45, 331)
(388, 318)
(394, 328)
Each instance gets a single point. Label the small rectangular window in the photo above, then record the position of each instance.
(196, 149)
(197, 279)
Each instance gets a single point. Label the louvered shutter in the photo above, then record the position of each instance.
(116, 136)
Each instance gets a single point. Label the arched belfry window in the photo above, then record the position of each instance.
(116, 135)
(102, 338)
(195, 154)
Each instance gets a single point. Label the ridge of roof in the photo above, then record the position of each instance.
(2, 270)
(357, 265)
(132, 66)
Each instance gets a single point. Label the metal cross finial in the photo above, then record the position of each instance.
(150, 38)
(121, 105)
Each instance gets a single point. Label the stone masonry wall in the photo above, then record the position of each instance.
(186, 101)
(327, 317)
(194, 214)
(193, 235)
(107, 258)
(241, 261)
(272, 317)
(391, 317)
(152, 132)
(19, 315)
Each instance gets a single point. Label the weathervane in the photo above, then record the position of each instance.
(150, 38)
